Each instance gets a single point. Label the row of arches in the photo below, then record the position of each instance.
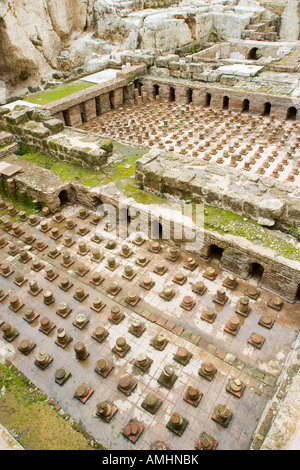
(267, 107)
(213, 252)
(255, 270)
(291, 112)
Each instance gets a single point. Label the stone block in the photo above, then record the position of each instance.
(228, 80)
(195, 68)
(163, 61)
(54, 125)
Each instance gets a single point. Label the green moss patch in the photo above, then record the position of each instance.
(227, 222)
(61, 91)
(119, 167)
(25, 413)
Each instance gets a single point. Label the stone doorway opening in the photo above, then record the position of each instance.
(124, 217)
(267, 109)
(155, 91)
(298, 294)
(215, 252)
(291, 114)
(138, 86)
(66, 116)
(253, 54)
(225, 102)
(246, 106)
(83, 113)
(172, 93)
(64, 197)
(256, 271)
(207, 100)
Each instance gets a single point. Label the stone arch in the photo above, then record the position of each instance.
(267, 109)
(215, 252)
(98, 203)
(246, 106)
(225, 102)
(64, 197)
(207, 100)
(291, 113)
(138, 85)
(252, 55)
(67, 196)
(256, 271)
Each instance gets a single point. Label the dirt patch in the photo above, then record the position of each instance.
(26, 414)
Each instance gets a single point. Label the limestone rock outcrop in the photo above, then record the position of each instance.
(28, 44)
(38, 37)
(67, 16)
(290, 25)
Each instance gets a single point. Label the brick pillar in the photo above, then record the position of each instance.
(181, 94)
(104, 102)
(144, 97)
(118, 97)
(90, 109)
(199, 97)
(74, 115)
(164, 92)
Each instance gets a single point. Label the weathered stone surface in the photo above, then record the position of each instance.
(40, 115)
(220, 186)
(36, 130)
(54, 125)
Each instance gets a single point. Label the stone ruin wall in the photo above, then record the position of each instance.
(280, 207)
(44, 128)
(201, 94)
(99, 99)
(240, 51)
(280, 276)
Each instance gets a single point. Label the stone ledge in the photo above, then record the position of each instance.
(214, 185)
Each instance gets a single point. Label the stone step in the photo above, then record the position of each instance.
(253, 35)
(8, 149)
(5, 138)
(248, 32)
(256, 27)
